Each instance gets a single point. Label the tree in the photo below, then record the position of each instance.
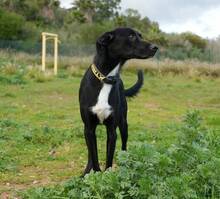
(195, 40)
(89, 11)
(35, 10)
(150, 30)
(155, 35)
(11, 25)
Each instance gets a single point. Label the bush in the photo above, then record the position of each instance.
(11, 25)
(39, 76)
(95, 30)
(14, 79)
(187, 169)
(14, 27)
(12, 74)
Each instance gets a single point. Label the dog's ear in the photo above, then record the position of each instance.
(105, 39)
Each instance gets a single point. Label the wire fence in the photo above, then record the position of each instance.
(65, 49)
(210, 55)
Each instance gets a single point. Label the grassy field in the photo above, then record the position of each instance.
(41, 133)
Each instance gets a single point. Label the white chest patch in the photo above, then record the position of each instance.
(102, 109)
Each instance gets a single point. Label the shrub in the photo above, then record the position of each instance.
(12, 74)
(39, 76)
(14, 79)
(14, 27)
(95, 30)
(11, 25)
(187, 169)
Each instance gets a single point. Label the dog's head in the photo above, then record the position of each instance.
(125, 43)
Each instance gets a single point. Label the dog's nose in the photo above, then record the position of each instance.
(153, 47)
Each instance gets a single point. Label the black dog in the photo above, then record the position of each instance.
(102, 96)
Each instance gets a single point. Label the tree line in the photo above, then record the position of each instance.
(82, 23)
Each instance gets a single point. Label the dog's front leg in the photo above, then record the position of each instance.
(111, 141)
(91, 143)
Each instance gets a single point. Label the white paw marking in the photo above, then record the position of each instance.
(102, 109)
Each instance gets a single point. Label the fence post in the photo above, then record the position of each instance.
(43, 51)
(55, 54)
(158, 57)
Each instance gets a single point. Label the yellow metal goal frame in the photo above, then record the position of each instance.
(45, 37)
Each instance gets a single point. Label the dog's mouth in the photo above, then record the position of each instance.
(153, 52)
(147, 54)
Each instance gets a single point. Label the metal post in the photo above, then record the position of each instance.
(55, 54)
(43, 51)
(45, 37)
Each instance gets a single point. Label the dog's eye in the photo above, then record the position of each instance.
(132, 37)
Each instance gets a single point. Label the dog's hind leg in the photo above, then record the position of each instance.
(91, 143)
(123, 127)
(111, 141)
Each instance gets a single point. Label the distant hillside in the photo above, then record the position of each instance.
(25, 20)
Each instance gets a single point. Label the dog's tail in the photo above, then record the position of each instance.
(133, 91)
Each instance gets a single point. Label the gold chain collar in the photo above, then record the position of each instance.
(97, 73)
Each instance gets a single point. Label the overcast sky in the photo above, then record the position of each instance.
(199, 16)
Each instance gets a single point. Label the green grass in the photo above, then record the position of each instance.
(41, 133)
(189, 168)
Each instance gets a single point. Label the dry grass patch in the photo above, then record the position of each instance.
(191, 68)
(188, 67)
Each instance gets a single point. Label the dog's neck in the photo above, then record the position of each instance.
(106, 65)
